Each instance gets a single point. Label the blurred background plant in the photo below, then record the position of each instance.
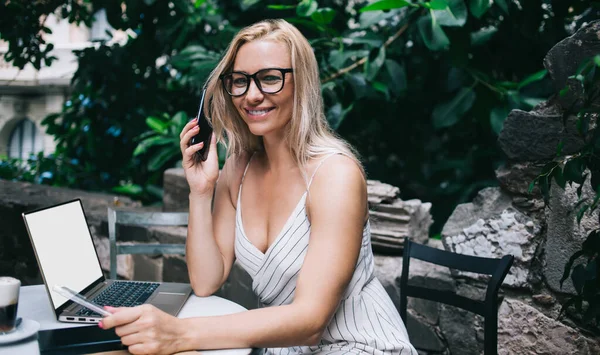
(420, 88)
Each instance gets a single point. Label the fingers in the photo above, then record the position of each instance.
(123, 316)
(193, 122)
(185, 138)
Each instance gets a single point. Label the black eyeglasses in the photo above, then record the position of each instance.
(268, 81)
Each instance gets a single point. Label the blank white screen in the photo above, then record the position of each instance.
(64, 248)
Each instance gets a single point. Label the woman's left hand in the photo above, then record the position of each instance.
(144, 329)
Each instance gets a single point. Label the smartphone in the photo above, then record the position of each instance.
(205, 131)
(79, 299)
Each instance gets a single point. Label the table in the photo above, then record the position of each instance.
(34, 304)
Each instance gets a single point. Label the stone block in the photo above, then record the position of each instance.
(147, 268)
(531, 136)
(492, 231)
(516, 177)
(462, 329)
(567, 55)
(176, 191)
(564, 236)
(523, 329)
(423, 336)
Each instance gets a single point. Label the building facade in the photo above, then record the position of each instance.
(27, 96)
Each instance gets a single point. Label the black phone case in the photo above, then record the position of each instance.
(205, 131)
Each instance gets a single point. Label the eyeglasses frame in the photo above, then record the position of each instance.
(256, 81)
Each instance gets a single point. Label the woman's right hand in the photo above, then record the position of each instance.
(200, 175)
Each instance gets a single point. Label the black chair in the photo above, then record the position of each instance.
(488, 308)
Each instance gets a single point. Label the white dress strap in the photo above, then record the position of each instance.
(317, 168)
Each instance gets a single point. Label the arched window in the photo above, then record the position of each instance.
(24, 140)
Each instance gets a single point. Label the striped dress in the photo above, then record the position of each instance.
(366, 320)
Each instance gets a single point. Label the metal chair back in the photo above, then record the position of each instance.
(488, 308)
(118, 217)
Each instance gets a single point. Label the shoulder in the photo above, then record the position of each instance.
(337, 167)
(233, 170)
(337, 175)
(338, 186)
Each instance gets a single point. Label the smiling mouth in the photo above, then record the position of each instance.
(259, 112)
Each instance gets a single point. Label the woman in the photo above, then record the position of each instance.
(290, 205)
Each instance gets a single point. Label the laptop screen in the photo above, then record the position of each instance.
(64, 247)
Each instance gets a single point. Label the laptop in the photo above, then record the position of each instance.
(66, 255)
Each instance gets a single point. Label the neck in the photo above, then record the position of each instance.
(278, 156)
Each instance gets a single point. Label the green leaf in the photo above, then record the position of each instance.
(479, 7)
(559, 148)
(557, 173)
(130, 189)
(497, 117)
(157, 125)
(531, 186)
(323, 16)
(372, 66)
(199, 3)
(358, 84)
(148, 143)
(381, 87)
(503, 5)
(162, 157)
(455, 14)
(336, 115)
(569, 265)
(483, 35)
(386, 5)
(532, 101)
(433, 35)
(397, 76)
(533, 78)
(436, 4)
(578, 278)
(246, 4)
(306, 8)
(281, 7)
(581, 212)
(449, 113)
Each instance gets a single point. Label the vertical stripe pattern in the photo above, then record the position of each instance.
(366, 320)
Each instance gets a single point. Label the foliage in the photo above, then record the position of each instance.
(442, 75)
(576, 169)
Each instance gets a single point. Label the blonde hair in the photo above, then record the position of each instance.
(309, 135)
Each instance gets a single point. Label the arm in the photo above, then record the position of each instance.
(337, 208)
(209, 244)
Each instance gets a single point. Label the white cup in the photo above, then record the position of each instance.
(9, 300)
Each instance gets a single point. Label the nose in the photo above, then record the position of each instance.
(254, 94)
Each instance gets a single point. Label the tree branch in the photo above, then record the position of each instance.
(364, 59)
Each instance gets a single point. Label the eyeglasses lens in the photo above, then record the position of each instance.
(269, 81)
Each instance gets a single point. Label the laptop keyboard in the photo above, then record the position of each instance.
(122, 294)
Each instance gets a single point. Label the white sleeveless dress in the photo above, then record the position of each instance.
(366, 320)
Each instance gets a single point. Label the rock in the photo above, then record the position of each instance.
(516, 178)
(463, 330)
(175, 191)
(564, 236)
(380, 192)
(524, 330)
(531, 136)
(423, 336)
(567, 55)
(544, 300)
(493, 236)
(392, 223)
